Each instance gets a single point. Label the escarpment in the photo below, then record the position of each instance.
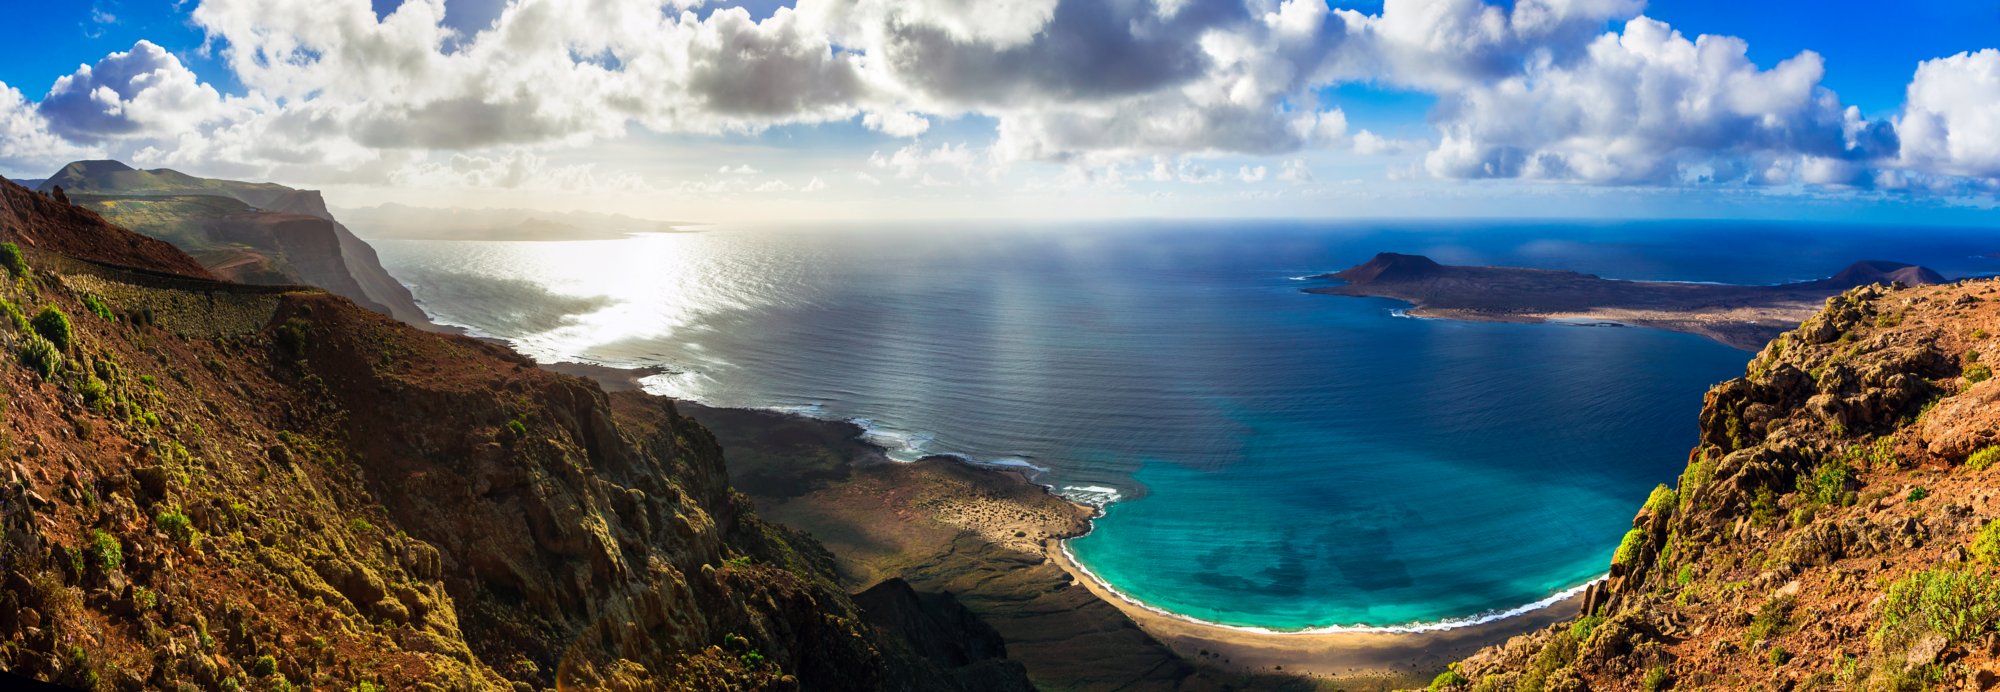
(1834, 529)
(315, 494)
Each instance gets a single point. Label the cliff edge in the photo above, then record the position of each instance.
(1834, 529)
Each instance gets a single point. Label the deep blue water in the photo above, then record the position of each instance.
(1279, 459)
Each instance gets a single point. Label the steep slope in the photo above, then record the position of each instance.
(1835, 529)
(37, 221)
(297, 241)
(216, 485)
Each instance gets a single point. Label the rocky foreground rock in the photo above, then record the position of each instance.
(1835, 528)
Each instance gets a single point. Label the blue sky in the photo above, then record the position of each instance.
(872, 107)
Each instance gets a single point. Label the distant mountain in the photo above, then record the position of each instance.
(1869, 272)
(30, 183)
(250, 232)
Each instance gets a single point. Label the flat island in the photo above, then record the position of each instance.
(1745, 317)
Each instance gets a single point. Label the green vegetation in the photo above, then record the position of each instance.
(360, 525)
(105, 550)
(10, 257)
(1917, 493)
(1559, 653)
(1986, 545)
(1779, 656)
(1583, 626)
(144, 598)
(1629, 547)
(264, 666)
(40, 356)
(1828, 482)
(1764, 507)
(517, 429)
(1983, 458)
(1656, 679)
(1772, 619)
(1960, 605)
(1978, 372)
(1449, 679)
(98, 308)
(175, 525)
(293, 337)
(53, 325)
(1685, 576)
(1662, 501)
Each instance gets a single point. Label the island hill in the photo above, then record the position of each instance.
(1746, 317)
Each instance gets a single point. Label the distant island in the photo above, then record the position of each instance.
(1745, 317)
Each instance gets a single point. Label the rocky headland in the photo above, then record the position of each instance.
(1834, 529)
(1746, 317)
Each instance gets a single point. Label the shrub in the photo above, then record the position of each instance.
(517, 429)
(1917, 493)
(1628, 549)
(175, 524)
(1986, 545)
(1583, 626)
(1685, 576)
(1779, 656)
(95, 394)
(1961, 606)
(264, 666)
(98, 308)
(1662, 501)
(1978, 372)
(144, 598)
(360, 525)
(1656, 679)
(1983, 458)
(292, 338)
(40, 356)
(53, 325)
(1764, 507)
(1448, 680)
(1771, 620)
(1828, 481)
(105, 550)
(10, 257)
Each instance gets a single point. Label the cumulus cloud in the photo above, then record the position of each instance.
(1951, 120)
(142, 92)
(1650, 106)
(1576, 90)
(25, 138)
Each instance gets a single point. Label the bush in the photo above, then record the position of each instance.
(10, 257)
(1448, 680)
(1962, 606)
(105, 550)
(1583, 626)
(1986, 545)
(98, 308)
(15, 317)
(1772, 619)
(40, 356)
(1978, 372)
(53, 325)
(264, 666)
(175, 524)
(1983, 458)
(1779, 656)
(1656, 679)
(1917, 493)
(517, 429)
(1662, 501)
(292, 338)
(1828, 481)
(1629, 547)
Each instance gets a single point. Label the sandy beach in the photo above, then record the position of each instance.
(1365, 659)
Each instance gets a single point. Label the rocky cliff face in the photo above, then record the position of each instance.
(1834, 529)
(322, 495)
(305, 243)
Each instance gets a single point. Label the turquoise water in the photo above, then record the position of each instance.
(1272, 458)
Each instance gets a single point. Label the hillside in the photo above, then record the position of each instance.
(1744, 316)
(1834, 529)
(215, 485)
(246, 232)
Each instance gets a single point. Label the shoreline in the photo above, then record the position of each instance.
(1388, 655)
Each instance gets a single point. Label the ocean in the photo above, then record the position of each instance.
(1267, 458)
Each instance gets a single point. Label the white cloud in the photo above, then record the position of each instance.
(1295, 171)
(143, 92)
(26, 141)
(1649, 106)
(896, 124)
(814, 185)
(739, 169)
(1951, 119)
(1252, 175)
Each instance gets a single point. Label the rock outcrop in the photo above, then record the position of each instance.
(1835, 529)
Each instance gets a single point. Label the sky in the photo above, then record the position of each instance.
(856, 109)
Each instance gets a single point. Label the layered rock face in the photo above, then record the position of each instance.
(325, 496)
(1834, 529)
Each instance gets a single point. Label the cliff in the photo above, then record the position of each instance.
(215, 485)
(251, 232)
(1834, 528)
